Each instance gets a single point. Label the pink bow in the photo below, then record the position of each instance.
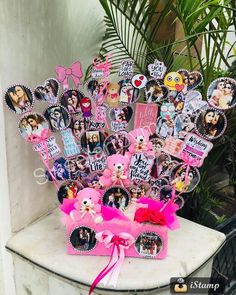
(39, 138)
(119, 243)
(188, 161)
(75, 72)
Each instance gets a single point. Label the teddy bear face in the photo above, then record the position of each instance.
(88, 196)
(117, 163)
(139, 136)
(113, 88)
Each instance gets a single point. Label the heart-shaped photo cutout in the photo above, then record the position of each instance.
(191, 80)
(121, 114)
(155, 92)
(48, 91)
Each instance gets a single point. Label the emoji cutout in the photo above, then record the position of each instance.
(174, 81)
(157, 69)
(48, 91)
(221, 93)
(86, 107)
(19, 99)
(139, 81)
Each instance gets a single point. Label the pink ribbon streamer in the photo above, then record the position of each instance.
(74, 71)
(118, 243)
(188, 161)
(42, 138)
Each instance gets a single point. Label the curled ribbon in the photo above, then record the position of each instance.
(74, 71)
(42, 138)
(118, 243)
(188, 161)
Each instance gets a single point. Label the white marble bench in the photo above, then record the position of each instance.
(43, 267)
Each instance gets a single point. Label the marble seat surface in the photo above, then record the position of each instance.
(43, 243)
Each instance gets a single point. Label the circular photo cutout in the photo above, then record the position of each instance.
(58, 117)
(77, 167)
(19, 99)
(155, 92)
(184, 183)
(70, 99)
(166, 193)
(161, 166)
(121, 115)
(157, 144)
(191, 79)
(92, 181)
(68, 190)
(148, 244)
(117, 143)
(92, 142)
(139, 191)
(97, 89)
(221, 94)
(59, 170)
(156, 184)
(78, 127)
(128, 93)
(210, 123)
(48, 91)
(116, 197)
(83, 239)
(32, 125)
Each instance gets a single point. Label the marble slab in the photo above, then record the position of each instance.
(43, 243)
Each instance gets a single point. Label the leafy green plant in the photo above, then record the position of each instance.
(131, 30)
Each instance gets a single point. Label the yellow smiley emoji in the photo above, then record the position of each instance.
(174, 81)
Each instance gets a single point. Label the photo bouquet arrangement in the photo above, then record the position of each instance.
(131, 150)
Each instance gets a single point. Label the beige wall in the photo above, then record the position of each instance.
(35, 36)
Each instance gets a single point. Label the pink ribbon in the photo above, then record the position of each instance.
(100, 116)
(75, 72)
(42, 138)
(188, 161)
(118, 243)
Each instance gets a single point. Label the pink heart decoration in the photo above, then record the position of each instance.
(179, 87)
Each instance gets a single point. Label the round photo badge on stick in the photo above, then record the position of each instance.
(210, 123)
(19, 99)
(185, 177)
(48, 91)
(34, 128)
(221, 93)
(58, 117)
(83, 239)
(68, 190)
(148, 244)
(116, 197)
